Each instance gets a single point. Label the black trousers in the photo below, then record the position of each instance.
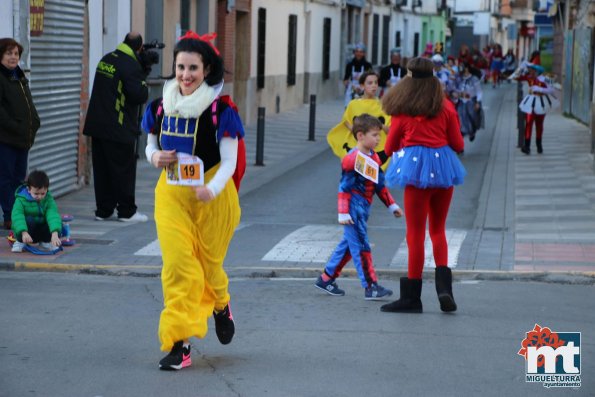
(114, 174)
(39, 232)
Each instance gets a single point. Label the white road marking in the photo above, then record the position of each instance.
(311, 243)
(153, 249)
(454, 238)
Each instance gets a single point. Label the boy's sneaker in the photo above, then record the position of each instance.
(47, 246)
(178, 358)
(330, 287)
(17, 246)
(137, 217)
(224, 325)
(375, 292)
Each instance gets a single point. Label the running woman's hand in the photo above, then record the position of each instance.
(203, 194)
(162, 158)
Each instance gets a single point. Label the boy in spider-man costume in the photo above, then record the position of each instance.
(361, 178)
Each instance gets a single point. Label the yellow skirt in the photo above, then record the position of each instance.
(194, 237)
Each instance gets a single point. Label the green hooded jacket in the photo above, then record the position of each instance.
(27, 210)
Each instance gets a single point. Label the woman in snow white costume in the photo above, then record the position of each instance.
(424, 137)
(195, 137)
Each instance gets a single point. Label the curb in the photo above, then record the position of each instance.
(582, 278)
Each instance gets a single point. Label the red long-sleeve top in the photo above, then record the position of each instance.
(442, 130)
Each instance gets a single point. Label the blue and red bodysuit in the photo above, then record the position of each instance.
(355, 197)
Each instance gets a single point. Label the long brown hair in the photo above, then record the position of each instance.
(420, 94)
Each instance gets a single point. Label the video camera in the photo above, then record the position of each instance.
(147, 57)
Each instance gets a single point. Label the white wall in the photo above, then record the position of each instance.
(277, 17)
(95, 8)
(116, 22)
(471, 5)
(6, 24)
(109, 22)
(313, 44)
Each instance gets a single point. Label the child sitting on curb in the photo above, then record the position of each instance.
(35, 216)
(361, 178)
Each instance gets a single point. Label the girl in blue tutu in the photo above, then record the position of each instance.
(424, 140)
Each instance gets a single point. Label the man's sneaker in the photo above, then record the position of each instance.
(100, 218)
(137, 217)
(375, 292)
(224, 326)
(17, 246)
(178, 358)
(330, 287)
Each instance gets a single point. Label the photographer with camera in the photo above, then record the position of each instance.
(112, 123)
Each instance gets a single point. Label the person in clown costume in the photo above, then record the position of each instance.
(540, 99)
(340, 138)
(195, 137)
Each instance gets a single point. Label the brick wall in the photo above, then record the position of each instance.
(226, 37)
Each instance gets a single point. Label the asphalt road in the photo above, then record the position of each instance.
(86, 335)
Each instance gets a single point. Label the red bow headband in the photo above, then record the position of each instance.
(207, 38)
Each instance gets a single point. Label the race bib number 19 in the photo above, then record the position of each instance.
(187, 171)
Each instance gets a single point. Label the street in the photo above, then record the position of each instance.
(92, 335)
(87, 335)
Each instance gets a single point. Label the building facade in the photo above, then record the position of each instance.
(278, 53)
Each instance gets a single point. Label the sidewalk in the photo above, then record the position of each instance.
(286, 146)
(542, 205)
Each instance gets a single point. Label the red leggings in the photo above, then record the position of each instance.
(419, 205)
(538, 119)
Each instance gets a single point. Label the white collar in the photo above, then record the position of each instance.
(188, 106)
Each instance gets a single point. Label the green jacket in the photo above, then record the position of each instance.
(27, 210)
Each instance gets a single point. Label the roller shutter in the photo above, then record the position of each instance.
(56, 73)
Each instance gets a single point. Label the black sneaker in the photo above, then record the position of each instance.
(330, 287)
(224, 325)
(178, 358)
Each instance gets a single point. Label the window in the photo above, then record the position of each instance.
(326, 49)
(398, 38)
(292, 49)
(385, 32)
(261, 46)
(375, 34)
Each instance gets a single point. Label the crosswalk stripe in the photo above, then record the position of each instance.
(311, 243)
(454, 238)
(153, 249)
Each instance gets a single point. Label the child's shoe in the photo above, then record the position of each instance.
(375, 292)
(178, 358)
(47, 246)
(224, 325)
(17, 246)
(330, 287)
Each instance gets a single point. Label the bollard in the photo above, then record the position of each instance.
(520, 115)
(260, 137)
(311, 131)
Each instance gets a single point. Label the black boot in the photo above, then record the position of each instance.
(444, 289)
(527, 148)
(410, 301)
(539, 147)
